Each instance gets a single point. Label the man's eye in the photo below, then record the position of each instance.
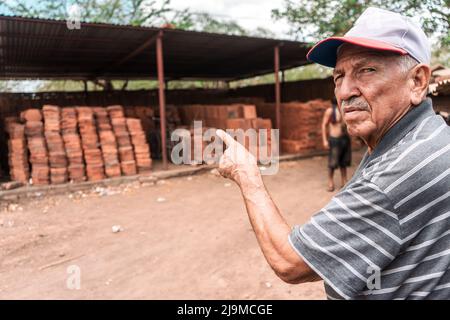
(367, 70)
(337, 77)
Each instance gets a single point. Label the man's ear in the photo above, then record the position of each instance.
(420, 78)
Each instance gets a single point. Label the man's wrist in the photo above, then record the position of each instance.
(251, 182)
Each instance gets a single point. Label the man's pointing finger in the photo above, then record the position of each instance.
(229, 141)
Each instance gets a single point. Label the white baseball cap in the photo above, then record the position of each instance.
(377, 29)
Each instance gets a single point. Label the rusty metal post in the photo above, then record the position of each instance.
(162, 98)
(277, 86)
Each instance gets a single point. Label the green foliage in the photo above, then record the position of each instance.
(314, 20)
(311, 71)
(130, 12)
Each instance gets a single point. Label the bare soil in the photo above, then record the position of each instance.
(182, 238)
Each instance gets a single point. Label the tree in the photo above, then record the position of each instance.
(315, 20)
(202, 21)
(131, 12)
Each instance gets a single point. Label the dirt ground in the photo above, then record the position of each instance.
(182, 238)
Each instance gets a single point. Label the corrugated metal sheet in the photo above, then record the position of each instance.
(441, 88)
(47, 49)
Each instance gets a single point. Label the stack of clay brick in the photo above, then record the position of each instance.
(144, 113)
(300, 124)
(75, 143)
(231, 116)
(126, 153)
(108, 143)
(72, 143)
(18, 154)
(55, 145)
(89, 141)
(34, 132)
(265, 144)
(140, 146)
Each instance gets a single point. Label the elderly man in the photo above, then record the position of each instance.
(386, 235)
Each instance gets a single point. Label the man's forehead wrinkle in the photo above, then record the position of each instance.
(357, 60)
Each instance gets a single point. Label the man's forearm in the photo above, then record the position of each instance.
(270, 228)
(324, 134)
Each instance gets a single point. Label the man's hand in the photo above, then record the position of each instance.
(237, 163)
(270, 228)
(326, 145)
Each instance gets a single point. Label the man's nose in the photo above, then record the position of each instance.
(347, 89)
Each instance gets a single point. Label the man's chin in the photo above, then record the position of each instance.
(355, 130)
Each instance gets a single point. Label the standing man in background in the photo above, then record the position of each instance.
(337, 141)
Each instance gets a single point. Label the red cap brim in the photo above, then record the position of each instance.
(325, 51)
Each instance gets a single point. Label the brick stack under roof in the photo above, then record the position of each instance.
(55, 144)
(90, 144)
(72, 143)
(75, 144)
(19, 169)
(108, 143)
(126, 153)
(37, 146)
(140, 145)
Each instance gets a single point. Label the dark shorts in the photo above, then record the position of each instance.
(340, 154)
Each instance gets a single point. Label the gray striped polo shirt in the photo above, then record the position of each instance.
(386, 234)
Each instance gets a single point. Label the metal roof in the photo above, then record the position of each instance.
(48, 49)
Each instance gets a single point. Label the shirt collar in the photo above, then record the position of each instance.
(399, 130)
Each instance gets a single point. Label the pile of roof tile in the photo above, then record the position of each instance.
(34, 132)
(140, 145)
(89, 142)
(126, 153)
(300, 124)
(76, 143)
(72, 143)
(55, 144)
(231, 116)
(18, 154)
(108, 143)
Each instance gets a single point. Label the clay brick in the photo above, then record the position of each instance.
(123, 139)
(128, 168)
(126, 154)
(115, 111)
(68, 120)
(239, 123)
(248, 111)
(113, 170)
(34, 128)
(77, 173)
(95, 172)
(31, 115)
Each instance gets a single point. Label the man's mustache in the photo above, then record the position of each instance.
(356, 102)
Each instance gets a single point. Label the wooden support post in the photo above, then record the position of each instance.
(162, 97)
(277, 87)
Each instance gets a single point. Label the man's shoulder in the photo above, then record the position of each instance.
(420, 156)
(328, 111)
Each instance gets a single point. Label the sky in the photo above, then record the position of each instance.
(250, 14)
